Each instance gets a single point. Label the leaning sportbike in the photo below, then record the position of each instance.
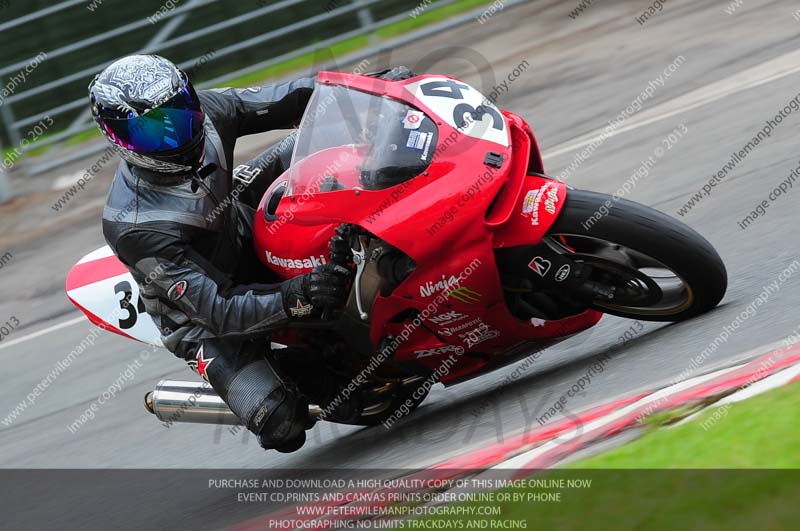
(467, 256)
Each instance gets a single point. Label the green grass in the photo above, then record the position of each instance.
(763, 432)
(82, 137)
(307, 61)
(35, 151)
(665, 500)
(430, 16)
(7, 151)
(302, 62)
(637, 486)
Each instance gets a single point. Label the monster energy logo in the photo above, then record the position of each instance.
(464, 294)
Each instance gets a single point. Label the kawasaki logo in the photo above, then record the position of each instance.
(296, 263)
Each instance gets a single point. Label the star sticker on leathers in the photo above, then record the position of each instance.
(202, 364)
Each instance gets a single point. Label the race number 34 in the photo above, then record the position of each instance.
(463, 107)
(131, 310)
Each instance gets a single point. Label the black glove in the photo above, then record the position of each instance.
(316, 294)
(398, 73)
(340, 251)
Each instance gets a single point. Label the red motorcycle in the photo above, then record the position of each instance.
(467, 256)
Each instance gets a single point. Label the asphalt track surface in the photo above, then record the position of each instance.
(738, 70)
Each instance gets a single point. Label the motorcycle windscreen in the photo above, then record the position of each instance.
(103, 289)
(378, 142)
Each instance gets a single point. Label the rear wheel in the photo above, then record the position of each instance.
(659, 268)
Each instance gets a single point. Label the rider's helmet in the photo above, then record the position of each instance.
(146, 106)
(398, 154)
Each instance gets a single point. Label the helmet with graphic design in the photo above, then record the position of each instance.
(147, 107)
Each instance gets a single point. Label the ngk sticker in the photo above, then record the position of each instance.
(447, 318)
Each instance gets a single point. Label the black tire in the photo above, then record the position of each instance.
(650, 232)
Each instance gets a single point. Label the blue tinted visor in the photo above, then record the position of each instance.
(170, 126)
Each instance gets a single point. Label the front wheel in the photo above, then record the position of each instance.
(659, 269)
(399, 404)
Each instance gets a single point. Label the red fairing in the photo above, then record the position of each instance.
(479, 192)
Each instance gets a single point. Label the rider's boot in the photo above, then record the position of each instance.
(269, 406)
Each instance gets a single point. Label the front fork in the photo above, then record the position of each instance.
(391, 267)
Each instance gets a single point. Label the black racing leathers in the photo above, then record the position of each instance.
(185, 241)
